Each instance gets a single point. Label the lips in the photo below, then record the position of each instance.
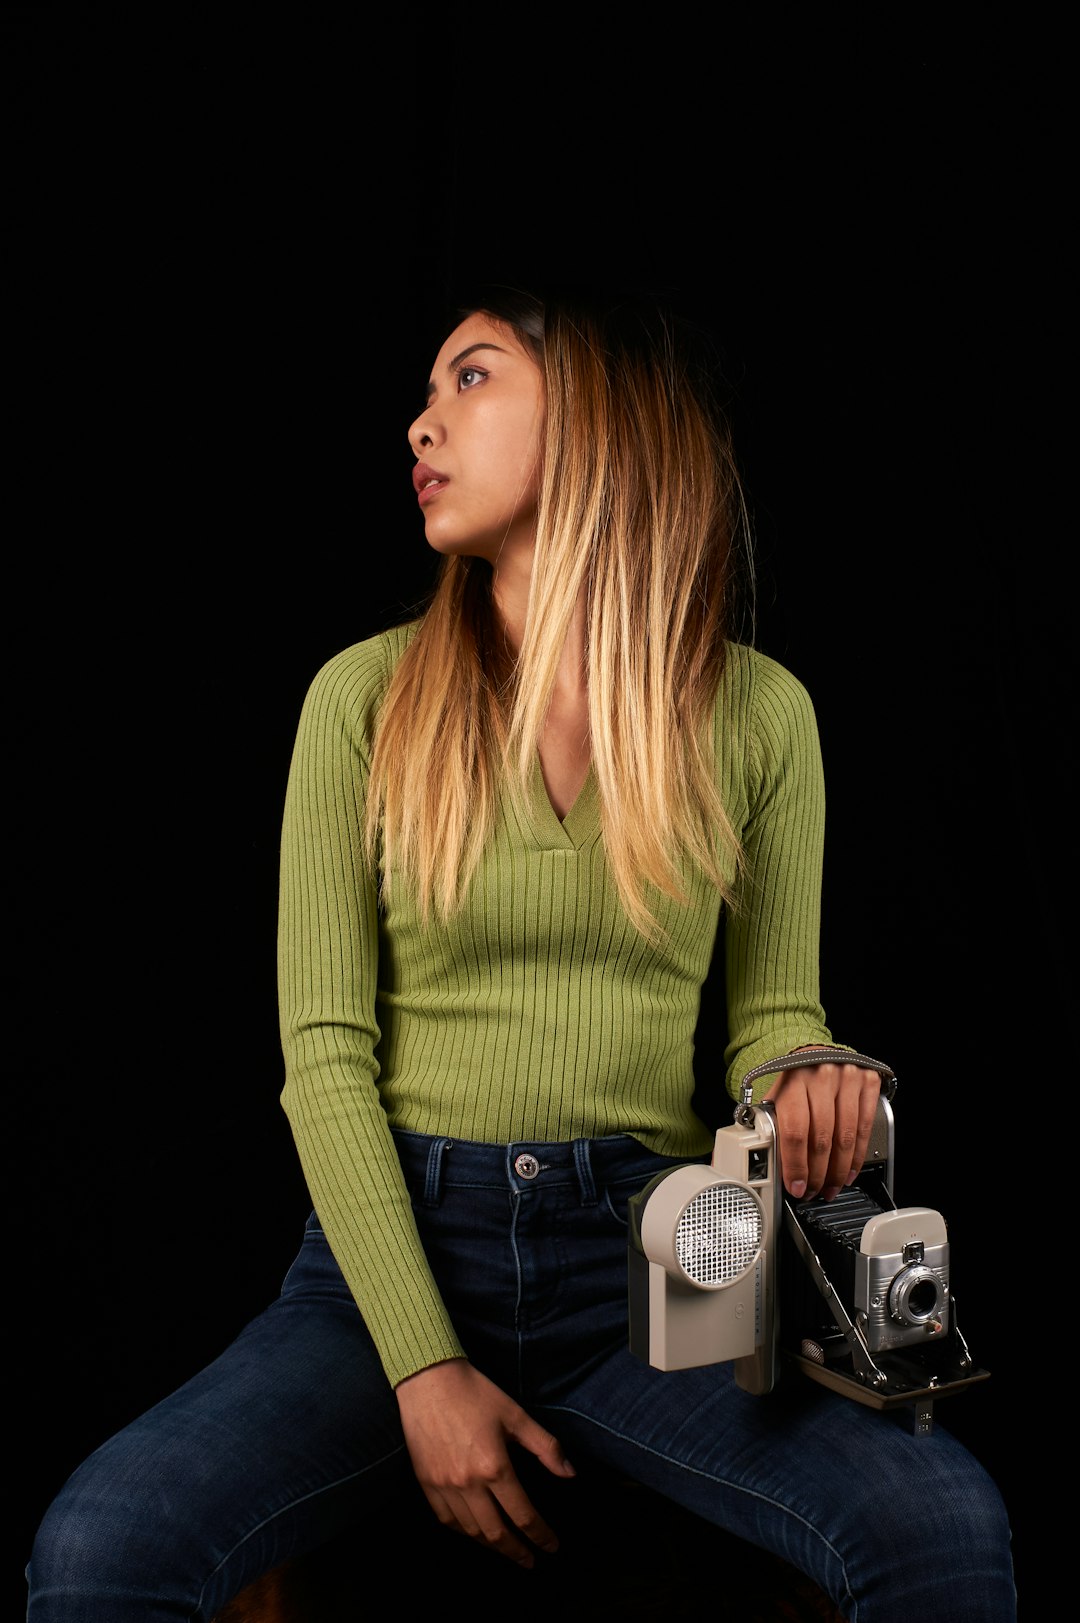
(427, 482)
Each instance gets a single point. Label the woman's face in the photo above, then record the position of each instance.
(478, 443)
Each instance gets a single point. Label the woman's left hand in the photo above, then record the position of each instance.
(824, 1114)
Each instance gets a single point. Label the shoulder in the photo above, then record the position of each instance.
(358, 676)
(762, 695)
(347, 690)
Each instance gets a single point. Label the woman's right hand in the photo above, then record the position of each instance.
(458, 1425)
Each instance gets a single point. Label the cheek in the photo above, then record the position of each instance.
(522, 449)
(506, 466)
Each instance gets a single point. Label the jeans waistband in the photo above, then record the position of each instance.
(432, 1164)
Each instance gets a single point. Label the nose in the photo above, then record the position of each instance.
(426, 432)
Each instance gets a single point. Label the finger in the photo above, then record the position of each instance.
(846, 1118)
(821, 1100)
(868, 1102)
(455, 1511)
(495, 1516)
(448, 1515)
(792, 1124)
(498, 1528)
(523, 1516)
(544, 1444)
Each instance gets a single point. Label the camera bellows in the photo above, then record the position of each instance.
(843, 1218)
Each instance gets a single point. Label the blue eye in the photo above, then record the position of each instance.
(469, 376)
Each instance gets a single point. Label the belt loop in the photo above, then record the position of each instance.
(583, 1165)
(433, 1172)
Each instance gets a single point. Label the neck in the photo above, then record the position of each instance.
(510, 594)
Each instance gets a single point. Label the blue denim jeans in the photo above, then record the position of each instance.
(292, 1435)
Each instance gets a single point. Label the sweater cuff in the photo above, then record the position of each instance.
(399, 1369)
(418, 1335)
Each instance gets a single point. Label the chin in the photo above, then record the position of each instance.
(461, 546)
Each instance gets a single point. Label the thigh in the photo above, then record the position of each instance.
(287, 1436)
(890, 1525)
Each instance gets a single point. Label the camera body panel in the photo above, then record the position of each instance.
(890, 1267)
(901, 1292)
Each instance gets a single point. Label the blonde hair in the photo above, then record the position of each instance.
(641, 511)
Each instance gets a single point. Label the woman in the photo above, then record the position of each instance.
(511, 831)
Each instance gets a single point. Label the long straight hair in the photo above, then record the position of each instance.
(640, 511)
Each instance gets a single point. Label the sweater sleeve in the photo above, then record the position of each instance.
(328, 933)
(772, 937)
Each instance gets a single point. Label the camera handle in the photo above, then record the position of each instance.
(823, 1054)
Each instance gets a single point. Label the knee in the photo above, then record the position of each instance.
(974, 1508)
(957, 1503)
(99, 1545)
(945, 1545)
(71, 1551)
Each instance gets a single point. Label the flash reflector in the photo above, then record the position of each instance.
(719, 1234)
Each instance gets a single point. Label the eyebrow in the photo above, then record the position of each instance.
(451, 366)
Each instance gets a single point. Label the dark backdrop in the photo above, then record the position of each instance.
(231, 245)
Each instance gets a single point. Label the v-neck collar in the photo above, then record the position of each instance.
(581, 825)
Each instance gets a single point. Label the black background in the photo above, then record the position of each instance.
(229, 246)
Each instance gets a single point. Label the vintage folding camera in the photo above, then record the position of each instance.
(856, 1292)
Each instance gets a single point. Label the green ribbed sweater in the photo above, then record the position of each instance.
(538, 1012)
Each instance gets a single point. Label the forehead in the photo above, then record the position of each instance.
(483, 330)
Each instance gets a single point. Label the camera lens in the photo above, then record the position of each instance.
(915, 1296)
(922, 1299)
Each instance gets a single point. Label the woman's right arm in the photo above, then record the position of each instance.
(458, 1425)
(327, 976)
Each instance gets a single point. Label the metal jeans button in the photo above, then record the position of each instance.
(526, 1166)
